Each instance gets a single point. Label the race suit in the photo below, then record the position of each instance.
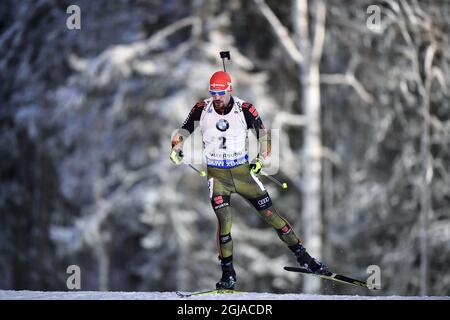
(224, 133)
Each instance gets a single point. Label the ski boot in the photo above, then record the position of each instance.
(309, 263)
(228, 279)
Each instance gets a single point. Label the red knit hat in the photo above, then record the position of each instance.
(220, 80)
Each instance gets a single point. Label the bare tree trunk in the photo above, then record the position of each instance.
(102, 254)
(426, 173)
(312, 222)
(305, 49)
(312, 148)
(101, 247)
(424, 195)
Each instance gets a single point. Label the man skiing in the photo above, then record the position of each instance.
(224, 121)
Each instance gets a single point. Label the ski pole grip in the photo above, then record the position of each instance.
(225, 55)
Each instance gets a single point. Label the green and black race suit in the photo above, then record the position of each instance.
(228, 167)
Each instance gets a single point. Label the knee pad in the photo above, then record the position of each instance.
(219, 201)
(262, 202)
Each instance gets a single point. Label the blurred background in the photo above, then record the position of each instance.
(359, 90)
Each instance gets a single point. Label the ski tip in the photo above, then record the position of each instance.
(182, 295)
(334, 277)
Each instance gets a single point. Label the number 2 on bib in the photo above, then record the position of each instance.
(223, 139)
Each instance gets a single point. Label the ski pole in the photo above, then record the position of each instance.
(200, 172)
(281, 184)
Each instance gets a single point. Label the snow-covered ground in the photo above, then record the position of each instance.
(97, 295)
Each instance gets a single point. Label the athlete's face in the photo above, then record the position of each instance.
(221, 101)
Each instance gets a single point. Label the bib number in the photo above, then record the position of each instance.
(222, 145)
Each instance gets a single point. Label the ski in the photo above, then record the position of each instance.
(199, 293)
(332, 276)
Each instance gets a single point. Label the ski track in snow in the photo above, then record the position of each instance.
(98, 295)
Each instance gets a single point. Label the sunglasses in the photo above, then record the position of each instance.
(220, 93)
